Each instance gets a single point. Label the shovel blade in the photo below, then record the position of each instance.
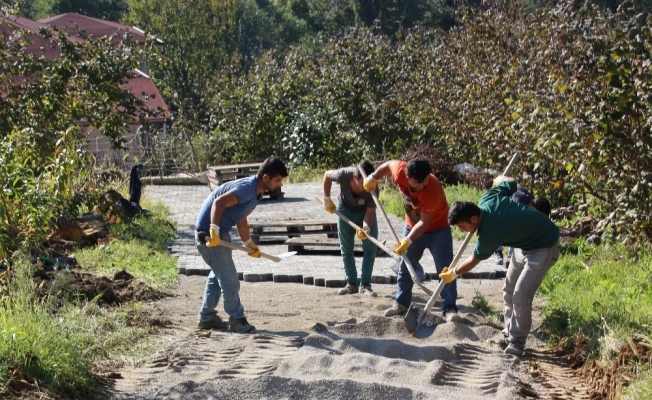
(414, 326)
(286, 255)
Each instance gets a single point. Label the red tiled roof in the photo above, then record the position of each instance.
(81, 25)
(139, 83)
(144, 88)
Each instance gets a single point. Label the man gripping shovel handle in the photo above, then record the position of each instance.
(416, 317)
(397, 242)
(212, 239)
(359, 231)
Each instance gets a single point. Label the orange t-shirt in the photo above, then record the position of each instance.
(431, 200)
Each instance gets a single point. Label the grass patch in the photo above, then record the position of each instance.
(603, 298)
(392, 201)
(641, 388)
(61, 339)
(142, 251)
(62, 347)
(304, 174)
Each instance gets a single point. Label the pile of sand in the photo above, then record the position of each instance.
(311, 343)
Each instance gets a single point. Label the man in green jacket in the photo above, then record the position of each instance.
(498, 220)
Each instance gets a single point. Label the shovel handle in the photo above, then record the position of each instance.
(353, 225)
(385, 249)
(247, 250)
(380, 208)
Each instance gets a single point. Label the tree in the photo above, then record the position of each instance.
(112, 10)
(45, 169)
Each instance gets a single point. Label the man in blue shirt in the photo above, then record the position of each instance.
(228, 206)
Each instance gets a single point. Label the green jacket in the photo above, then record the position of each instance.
(504, 222)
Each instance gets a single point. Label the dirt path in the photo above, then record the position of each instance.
(312, 343)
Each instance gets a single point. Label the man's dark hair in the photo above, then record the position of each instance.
(542, 204)
(272, 166)
(366, 166)
(462, 211)
(418, 169)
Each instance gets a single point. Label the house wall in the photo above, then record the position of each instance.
(100, 146)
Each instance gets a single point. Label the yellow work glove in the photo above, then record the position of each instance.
(448, 275)
(498, 180)
(369, 183)
(363, 234)
(252, 245)
(214, 239)
(402, 247)
(328, 204)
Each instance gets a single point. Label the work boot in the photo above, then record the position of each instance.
(397, 309)
(515, 349)
(367, 290)
(348, 289)
(241, 325)
(214, 322)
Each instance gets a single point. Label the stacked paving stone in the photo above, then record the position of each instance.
(320, 268)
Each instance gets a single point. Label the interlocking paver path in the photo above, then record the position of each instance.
(322, 268)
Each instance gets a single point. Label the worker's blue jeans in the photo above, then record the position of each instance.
(440, 244)
(222, 280)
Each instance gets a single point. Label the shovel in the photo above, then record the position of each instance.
(407, 262)
(378, 243)
(414, 318)
(277, 258)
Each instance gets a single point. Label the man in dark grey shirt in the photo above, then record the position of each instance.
(357, 205)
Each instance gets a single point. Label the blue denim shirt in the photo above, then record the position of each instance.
(244, 190)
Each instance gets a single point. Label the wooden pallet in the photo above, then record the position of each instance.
(299, 244)
(219, 174)
(291, 228)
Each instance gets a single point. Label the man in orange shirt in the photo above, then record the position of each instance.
(426, 227)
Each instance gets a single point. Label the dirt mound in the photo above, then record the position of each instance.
(122, 288)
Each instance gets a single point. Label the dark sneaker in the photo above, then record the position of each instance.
(397, 309)
(499, 258)
(515, 349)
(214, 322)
(348, 289)
(368, 291)
(241, 326)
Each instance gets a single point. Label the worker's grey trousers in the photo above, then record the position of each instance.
(526, 271)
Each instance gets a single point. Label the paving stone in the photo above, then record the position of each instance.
(184, 202)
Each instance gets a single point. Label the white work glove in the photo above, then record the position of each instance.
(328, 204)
